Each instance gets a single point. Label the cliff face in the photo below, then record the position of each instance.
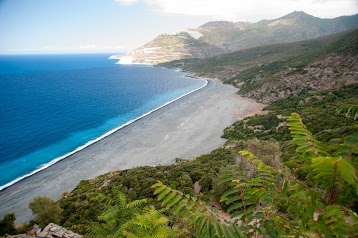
(218, 37)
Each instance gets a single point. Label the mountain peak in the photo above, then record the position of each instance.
(217, 24)
(297, 15)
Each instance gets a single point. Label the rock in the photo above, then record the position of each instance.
(42, 234)
(53, 230)
(19, 236)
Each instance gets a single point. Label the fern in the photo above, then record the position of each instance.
(332, 218)
(204, 219)
(308, 145)
(349, 147)
(150, 224)
(248, 197)
(117, 212)
(350, 110)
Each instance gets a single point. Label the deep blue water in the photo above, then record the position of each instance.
(52, 104)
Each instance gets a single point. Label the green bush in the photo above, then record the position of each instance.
(45, 211)
(7, 224)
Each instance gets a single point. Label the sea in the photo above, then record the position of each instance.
(52, 106)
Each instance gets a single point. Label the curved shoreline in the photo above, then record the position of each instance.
(183, 129)
(91, 142)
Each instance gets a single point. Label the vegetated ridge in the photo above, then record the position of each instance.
(218, 37)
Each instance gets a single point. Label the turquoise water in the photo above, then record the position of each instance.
(53, 105)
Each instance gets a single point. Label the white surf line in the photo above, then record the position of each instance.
(54, 161)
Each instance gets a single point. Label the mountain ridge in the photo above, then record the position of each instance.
(219, 37)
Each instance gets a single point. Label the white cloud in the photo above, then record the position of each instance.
(126, 2)
(253, 10)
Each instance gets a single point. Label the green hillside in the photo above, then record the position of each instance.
(270, 72)
(289, 28)
(244, 59)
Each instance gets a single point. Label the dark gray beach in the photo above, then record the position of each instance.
(188, 127)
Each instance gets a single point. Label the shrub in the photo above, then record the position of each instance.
(46, 211)
(7, 225)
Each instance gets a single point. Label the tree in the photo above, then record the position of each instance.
(7, 225)
(274, 201)
(45, 211)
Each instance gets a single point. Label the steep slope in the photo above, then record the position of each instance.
(227, 66)
(218, 37)
(272, 72)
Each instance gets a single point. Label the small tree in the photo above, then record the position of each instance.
(46, 211)
(7, 224)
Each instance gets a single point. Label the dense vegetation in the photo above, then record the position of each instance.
(274, 202)
(80, 210)
(264, 135)
(319, 113)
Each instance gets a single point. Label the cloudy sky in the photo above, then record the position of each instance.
(75, 26)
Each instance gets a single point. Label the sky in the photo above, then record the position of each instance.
(90, 26)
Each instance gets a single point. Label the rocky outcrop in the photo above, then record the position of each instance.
(54, 231)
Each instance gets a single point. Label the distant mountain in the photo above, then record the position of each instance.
(168, 47)
(295, 26)
(218, 37)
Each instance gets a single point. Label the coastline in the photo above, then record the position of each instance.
(184, 128)
(91, 142)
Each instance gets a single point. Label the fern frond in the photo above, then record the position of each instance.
(151, 223)
(349, 147)
(326, 171)
(117, 212)
(248, 199)
(341, 221)
(136, 203)
(350, 110)
(205, 220)
(97, 231)
(308, 145)
(261, 166)
(102, 199)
